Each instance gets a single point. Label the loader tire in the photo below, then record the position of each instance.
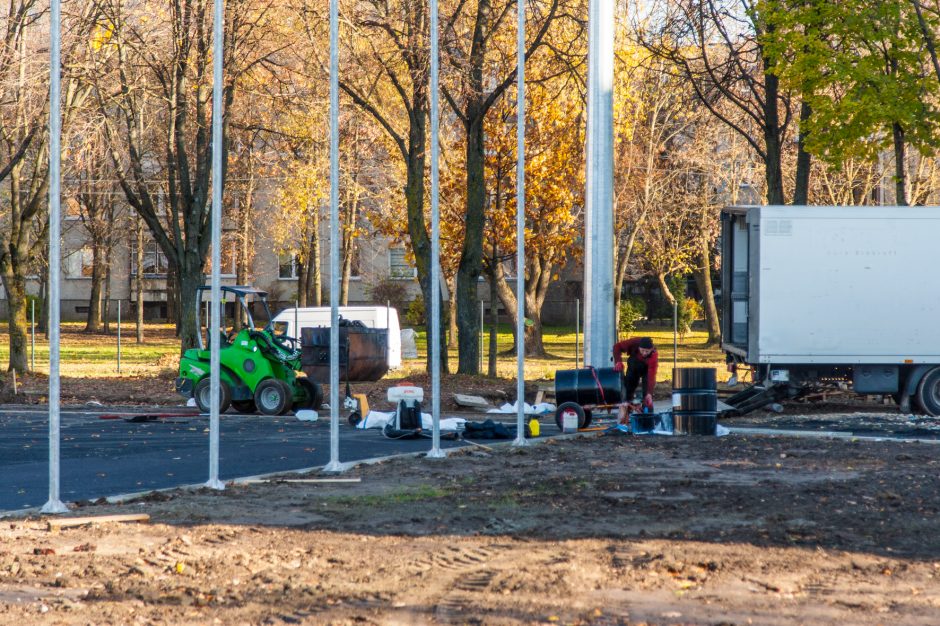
(203, 396)
(313, 394)
(273, 397)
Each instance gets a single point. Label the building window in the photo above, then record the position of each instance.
(229, 255)
(398, 266)
(72, 209)
(155, 262)
(287, 266)
(80, 263)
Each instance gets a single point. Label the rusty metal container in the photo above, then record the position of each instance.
(363, 352)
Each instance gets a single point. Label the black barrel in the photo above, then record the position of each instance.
(587, 386)
(694, 400)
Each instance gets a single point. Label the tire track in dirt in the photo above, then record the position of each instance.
(456, 576)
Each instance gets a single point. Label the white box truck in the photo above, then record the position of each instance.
(815, 295)
(319, 317)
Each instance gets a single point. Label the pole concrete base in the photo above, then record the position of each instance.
(54, 506)
(334, 467)
(215, 483)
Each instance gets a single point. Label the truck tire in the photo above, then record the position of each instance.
(203, 395)
(928, 392)
(313, 394)
(273, 397)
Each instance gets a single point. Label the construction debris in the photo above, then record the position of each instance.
(473, 402)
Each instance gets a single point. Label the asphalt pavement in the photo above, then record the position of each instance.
(106, 457)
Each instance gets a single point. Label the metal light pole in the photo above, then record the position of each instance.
(216, 283)
(334, 464)
(435, 350)
(598, 218)
(520, 224)
(54, 504)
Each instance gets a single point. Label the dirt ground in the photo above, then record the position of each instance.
(586, 530)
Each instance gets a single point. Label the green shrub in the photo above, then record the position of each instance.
(390, 291)
(415, 315)
(677, 284)
(632, 309)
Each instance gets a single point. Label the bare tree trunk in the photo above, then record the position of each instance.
(243, 257)
(314, 269)
(93, 318)
(43, 321)
(139, 283)
(451, 314)
(703, 280)
(494, 320)
(803, 159)
(107, 287)
(303, 289)
(622, 262)
(15, 287)
(348, 252)
(172, 297)
(664, 288)
(534, 345)
(900, 171)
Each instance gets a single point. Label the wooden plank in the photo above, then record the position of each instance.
(539, 395)
(66, 522)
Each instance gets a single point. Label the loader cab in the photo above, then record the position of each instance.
(234, 318)
(735, 280)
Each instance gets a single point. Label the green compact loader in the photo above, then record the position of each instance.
(259, 367)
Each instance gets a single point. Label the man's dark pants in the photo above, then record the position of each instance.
(635, 372)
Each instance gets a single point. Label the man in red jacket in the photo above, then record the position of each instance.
(642, 361)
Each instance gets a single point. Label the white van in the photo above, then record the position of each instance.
(319, 317)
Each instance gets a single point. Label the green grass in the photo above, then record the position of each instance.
(559, 342)
(95, 355)
(418, 494)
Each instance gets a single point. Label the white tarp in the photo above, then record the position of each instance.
(378, 419)
(409, 346)
(539, 409)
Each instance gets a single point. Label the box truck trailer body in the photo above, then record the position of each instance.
(853, 293)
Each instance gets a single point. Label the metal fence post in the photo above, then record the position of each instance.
(32, 336)
(481, 335)
(334, 464)
(577, 333)
(675, 334)
(54, 504)
(119, 336)
(520, 225)
(434, 341)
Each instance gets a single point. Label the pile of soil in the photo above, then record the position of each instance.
(587, 530)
